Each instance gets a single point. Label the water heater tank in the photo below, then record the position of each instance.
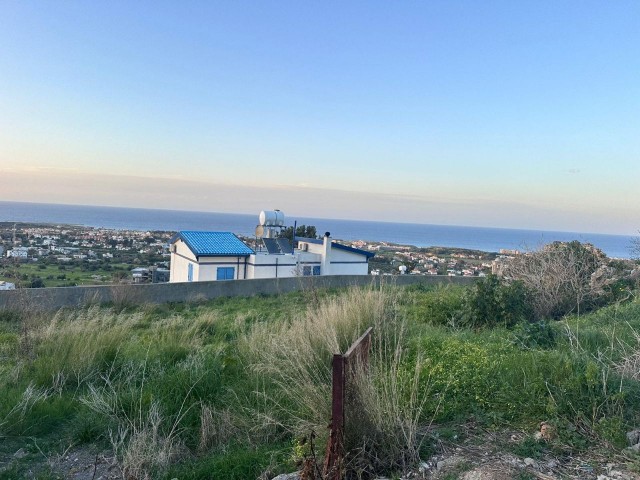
(272, 218)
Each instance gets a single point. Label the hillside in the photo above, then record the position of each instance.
(240, 388)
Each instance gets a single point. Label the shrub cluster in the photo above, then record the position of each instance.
(490, 302)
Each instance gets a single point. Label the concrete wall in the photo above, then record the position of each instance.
(55, 298)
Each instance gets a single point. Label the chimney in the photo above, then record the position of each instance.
(326, 254)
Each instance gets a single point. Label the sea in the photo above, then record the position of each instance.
(420, 235)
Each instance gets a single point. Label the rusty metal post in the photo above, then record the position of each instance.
(343, 369)
(335, 454)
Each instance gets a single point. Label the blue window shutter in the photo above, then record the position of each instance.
(225, 273)
(190, 273)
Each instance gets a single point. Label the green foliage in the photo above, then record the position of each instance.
(198, 366)
(441, 305)
(492, 302)
(303, 231)
(238, 463)
(37, 282)
(541, 334)
(613, 430)
(529, 447)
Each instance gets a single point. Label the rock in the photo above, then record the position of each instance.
(449, 462)
(288, 476)
(603, 477)
(633, 437)
(635, 448)
(529, 461)
(423, 467)
(551, 464)
(20, 454)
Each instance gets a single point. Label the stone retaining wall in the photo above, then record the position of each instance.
(58, 297)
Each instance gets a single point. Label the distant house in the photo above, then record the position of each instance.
(140, 275)
(18, 252)
(200, 256)
(7, 286)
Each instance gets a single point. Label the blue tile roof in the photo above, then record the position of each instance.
(337, 245)
(213, 243)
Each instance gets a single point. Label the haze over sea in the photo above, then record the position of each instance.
(421, 235)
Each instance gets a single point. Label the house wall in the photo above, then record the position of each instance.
(180, 260)
(208, 267)
(348, 263)
(342, 262)
(263, 265)
(272, 266)
(204, 268)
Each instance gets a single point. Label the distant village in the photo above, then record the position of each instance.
(37, 255)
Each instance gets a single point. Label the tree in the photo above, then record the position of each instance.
(305, 231)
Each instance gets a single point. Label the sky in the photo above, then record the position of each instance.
(495, 113)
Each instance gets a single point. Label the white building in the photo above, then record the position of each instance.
(201, 256)
(7, 286)
(18, 252)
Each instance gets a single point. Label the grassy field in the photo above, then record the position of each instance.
(54, 275)
(231, 388)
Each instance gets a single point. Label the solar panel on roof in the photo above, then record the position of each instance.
(285, 246)
(272, 245)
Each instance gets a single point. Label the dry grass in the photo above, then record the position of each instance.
(217, 427)
(294, 361)
(144, 440)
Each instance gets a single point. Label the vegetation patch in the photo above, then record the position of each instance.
(241, 387)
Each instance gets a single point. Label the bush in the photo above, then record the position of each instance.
(492, 302)
(437, 306)
(563, 276)
(539, 334)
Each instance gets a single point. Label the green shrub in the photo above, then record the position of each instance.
(441, 305)
(238, 463)
(541, 334)
(493, 302)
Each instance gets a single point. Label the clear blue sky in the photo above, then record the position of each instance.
(508, 114)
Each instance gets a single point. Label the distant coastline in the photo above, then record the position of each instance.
(420, 235)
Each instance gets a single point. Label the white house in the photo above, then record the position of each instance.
(200, 256)
(7, 286)
(18, 252)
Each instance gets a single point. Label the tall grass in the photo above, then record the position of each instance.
(293, 361)
(184, 390)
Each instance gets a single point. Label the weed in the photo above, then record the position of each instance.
(529, 447)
